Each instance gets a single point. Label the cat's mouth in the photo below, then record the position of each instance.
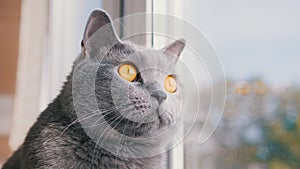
(156, 112)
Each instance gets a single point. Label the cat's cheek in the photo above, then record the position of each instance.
(173, 107)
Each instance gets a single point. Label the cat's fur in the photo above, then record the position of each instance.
(52, 143)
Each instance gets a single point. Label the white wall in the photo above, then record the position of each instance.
(50, 37)
(67, 21)
(6, 102)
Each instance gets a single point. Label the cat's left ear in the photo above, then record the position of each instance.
(175, 48)
(99, 19)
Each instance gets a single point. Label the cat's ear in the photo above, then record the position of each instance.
(175, 48)
(99, 19)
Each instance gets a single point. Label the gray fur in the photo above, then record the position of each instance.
(59, 139)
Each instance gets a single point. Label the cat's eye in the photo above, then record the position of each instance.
(128, 72)
(170, 84)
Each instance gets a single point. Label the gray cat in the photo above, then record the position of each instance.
(114, 87)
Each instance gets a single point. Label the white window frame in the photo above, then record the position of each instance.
(175, 8)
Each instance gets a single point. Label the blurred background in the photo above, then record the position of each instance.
(257, 42)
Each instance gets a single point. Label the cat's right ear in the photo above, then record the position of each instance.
(175, 48)
(99, 31)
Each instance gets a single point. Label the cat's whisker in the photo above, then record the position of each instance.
(110, 131)
(113, 129)
(120, 107)
(90, 115)
(108, 112)
(112, 108)
(116, 118)
(121, 137)
(100, 138)
(95, 125)
(76, 121)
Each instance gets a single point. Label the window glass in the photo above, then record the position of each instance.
(257, 42)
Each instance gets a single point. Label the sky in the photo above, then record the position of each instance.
(257, 38)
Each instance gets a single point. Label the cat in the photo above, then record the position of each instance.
(135, 95)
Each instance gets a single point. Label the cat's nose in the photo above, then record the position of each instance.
(159, 95)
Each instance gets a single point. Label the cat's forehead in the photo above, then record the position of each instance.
(150, 59)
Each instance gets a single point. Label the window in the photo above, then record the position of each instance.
(254, 43)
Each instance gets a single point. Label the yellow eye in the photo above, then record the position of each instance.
(127, 72)
(170, 84)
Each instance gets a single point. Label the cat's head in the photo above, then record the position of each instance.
(136, 90)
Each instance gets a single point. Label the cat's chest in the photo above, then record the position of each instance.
(98, 158)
